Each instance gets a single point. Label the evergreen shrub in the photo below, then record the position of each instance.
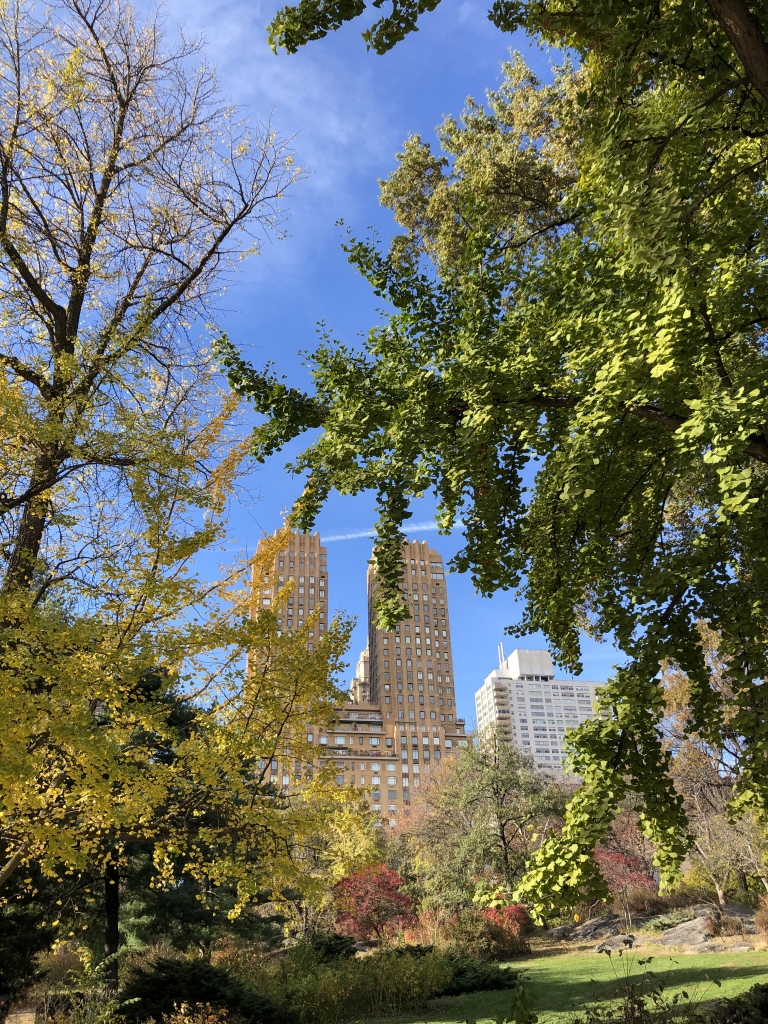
(161, 987)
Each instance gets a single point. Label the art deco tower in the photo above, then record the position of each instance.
(411, 666)
(305, 561)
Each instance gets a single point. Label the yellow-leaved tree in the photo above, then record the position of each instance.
(128, 191)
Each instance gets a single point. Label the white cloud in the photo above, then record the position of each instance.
(411, 528)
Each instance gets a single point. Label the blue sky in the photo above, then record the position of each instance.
(350, 112)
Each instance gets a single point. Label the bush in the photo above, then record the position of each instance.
(491, 934)
(467, 934)
(761, 918)
(726, 925)
(95, 1007)
(507, 927)
(670, 920)
(751, 1007)
(514, 918)
(22, 937)
(477, 976)
(643, 902)
(158, 989)
(330, 946)
(200, 1015)
(370, 902)
(380, 983)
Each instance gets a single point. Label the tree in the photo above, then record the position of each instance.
(189, 781)
(575, 366)
(726, 848)
(370, 902)
(25, 932)
(584, 24)
(127, 189)
(623, 873)
(142, 705)
(476, 821)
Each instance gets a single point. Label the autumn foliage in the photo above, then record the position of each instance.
(623, 873)
(513, 919)
(370, 903)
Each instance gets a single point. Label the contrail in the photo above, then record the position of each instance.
(407, 527)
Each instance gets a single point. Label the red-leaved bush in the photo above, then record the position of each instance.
(622, 871)
(624, 874)
(514, 919)
(370, 903)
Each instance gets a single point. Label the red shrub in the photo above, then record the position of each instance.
(514, 919)
(623, 872)
(370, 902)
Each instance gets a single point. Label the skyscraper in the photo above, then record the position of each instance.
(401, 717)
(305, 561)
(411, 666)
(530, 708)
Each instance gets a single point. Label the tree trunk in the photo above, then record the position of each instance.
(11, 864)
(741, 877)
(34, 520)
(112, 920)
(743, 30)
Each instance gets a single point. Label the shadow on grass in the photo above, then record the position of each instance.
(565, 993)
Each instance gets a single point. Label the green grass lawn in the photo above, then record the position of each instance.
(563, 982)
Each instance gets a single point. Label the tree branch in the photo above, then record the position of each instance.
(743, 30)
(756, 446)
(28, 374)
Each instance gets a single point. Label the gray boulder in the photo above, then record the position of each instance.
(737, 910)
(616, 942)
(705, 910)
(742, 916)
(564, 931)
(730, 919)
(689, 933)
(597, 928)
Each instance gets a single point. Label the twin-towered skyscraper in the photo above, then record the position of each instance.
(401, 719)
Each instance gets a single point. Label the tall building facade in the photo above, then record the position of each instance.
(305, 561)
(532, 709)
(401, 719)
(411, 666)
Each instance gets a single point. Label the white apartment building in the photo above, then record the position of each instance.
(530, 707)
